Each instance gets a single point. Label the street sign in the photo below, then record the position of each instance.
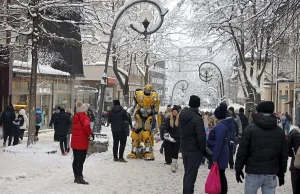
(283, 97)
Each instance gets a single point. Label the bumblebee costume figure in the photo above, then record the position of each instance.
(145, 110)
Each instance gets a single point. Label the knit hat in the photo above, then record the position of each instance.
(117, 102)
(194, 101)
(242, 110)
(175, 107)
(265, 107)
(80, 107)
(220, 112)
(231, 109)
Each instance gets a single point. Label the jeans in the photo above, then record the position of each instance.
(191, 163)
(63, 143)
(92, 125)
(119, 137)
(267, 183)
(295, 176)
(78, 161)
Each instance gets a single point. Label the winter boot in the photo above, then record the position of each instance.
(122, 160)
(4, 143)
(80, 180)
(116, 159)
(174, 165)
(75, 178)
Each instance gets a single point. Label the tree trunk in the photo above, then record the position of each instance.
(32, 89)
(146, 78)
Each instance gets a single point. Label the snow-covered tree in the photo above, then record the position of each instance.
(255, 29)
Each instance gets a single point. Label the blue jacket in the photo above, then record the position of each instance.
(218, 140)
(39, 111)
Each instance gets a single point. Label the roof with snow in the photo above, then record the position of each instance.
(25, 67)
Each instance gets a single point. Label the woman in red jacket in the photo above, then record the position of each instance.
(81, 132)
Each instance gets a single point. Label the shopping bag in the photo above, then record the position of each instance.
(213, 182)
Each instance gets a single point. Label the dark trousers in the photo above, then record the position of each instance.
(119, 137)
(223, 179)
(9, 136)
(191, 163)
(231, 161)
(171, 150)
(63, 143)
(16, 140)
(295, 176)
(78, 161)
(22, 133)
(37, 128)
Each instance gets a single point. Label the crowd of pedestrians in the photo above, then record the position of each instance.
(261, 146)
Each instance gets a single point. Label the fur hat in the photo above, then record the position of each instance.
(80, 107)
(265, 107)
(221, 111)
(194, 101)
(117, 102)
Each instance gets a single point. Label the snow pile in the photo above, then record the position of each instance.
(39, 148)
(25, 67)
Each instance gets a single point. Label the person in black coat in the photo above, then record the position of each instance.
(244, 119)
(118, 118)
(7, 118)
(62, 123)
(293, 146)
(172, 144)
(263, 150)
(53, 121)
(192, 142)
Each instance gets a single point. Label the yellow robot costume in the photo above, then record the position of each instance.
(146, 107)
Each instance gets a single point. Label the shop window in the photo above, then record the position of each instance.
(62, 86)
(19, 101)
(63, 100)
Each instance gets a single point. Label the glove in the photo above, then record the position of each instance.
(280, 179)
(92, 137)
(238, 175)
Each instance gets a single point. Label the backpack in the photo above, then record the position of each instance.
(297, 155)
(38, 119)
(21, 120)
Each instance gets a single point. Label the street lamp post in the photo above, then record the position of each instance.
(145, 22)
(185, 86)
(206, 74)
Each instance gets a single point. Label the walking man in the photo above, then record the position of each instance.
(119, 124)
(192, 142)
(244, 119)
(263, 150)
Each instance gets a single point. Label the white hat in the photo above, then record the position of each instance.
(80, 107)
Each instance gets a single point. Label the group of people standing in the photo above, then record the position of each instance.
(13, 125)
(263, 146)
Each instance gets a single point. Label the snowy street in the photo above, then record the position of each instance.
(52, 174)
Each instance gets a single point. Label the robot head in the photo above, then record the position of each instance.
(148, 89)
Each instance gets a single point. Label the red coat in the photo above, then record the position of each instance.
(81, 131)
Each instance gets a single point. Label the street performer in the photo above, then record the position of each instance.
(145, 110)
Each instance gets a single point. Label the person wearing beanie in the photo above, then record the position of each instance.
(192, 142)
(263, 151)
(81, 134)
(118, 118)
(244, 119)
(218, 142)
(172, 139)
